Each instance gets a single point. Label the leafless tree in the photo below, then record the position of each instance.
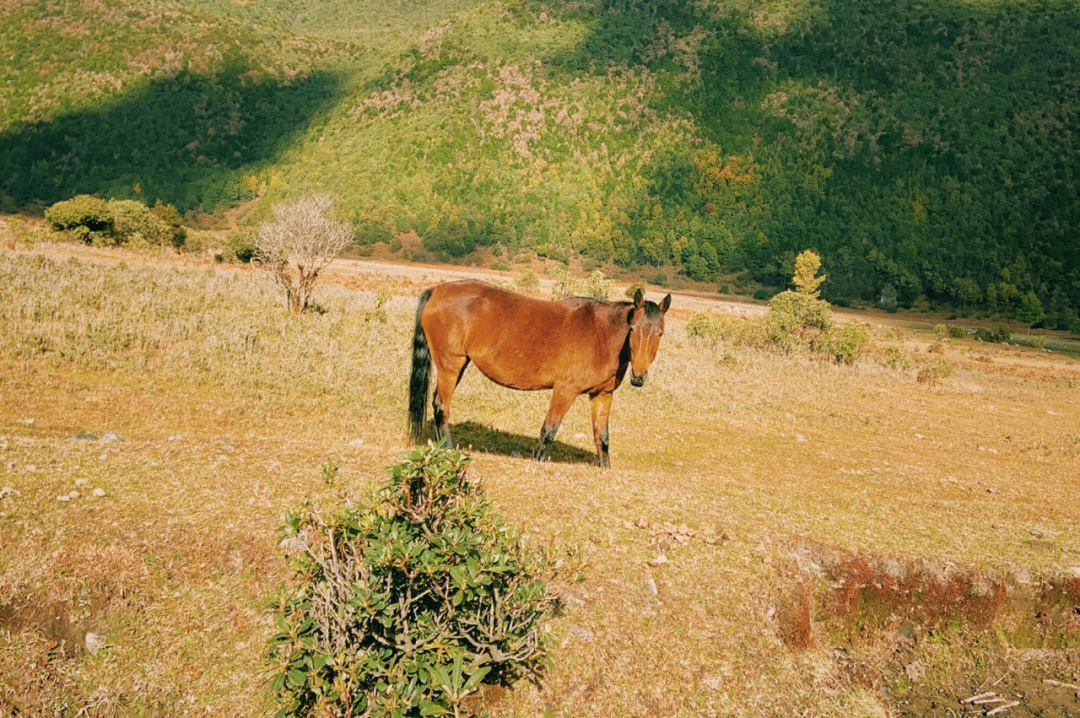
(303, 238)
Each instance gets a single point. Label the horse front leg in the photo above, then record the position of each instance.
(561, 400)
(601, 409)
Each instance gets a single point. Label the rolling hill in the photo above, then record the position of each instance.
(927, 150)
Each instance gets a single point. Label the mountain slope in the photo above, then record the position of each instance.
(930, 147)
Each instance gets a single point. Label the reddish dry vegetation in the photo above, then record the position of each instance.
(860, 596)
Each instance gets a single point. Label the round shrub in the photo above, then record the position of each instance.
(796, 319)
(133, 221)
(240, 244)
(170, 219)
(82, 215)
(406, 605)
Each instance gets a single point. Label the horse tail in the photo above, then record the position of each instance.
(421, 374)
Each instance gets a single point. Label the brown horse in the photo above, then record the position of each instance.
(573, 346)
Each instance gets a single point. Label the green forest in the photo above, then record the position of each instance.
(928, 151)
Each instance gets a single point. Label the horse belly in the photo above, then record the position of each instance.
(513, 369)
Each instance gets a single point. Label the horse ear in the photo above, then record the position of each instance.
(638, 299)
(665, 304)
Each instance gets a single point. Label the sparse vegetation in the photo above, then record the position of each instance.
(527, 282)
(408, 603)
(226, 403)
(301, 241)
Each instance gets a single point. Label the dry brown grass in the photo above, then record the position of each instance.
(978, 469)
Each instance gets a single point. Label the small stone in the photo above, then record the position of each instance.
(573, 600)
(175, 437)
(915, 671)
(73, 495)
(919, 436)
(650, 584)
(109, 437)
(5, 492)
(31, 468)
(356, 442)
(659, 560)
(63, 498)
(28, 421)
(294, 544)
(713, 682)
(581, 633)
(94, 642)
(104, 455)
(81, 482)
(84, 437)
(907, 630)
(1073, 571)
(991, 491)
(98, 492)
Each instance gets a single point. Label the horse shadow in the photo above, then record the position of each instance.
(493, 441)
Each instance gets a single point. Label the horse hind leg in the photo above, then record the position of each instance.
(449, 370)
(561, 400)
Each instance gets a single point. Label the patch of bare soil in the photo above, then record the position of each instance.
(63, 624)
(1013, 697)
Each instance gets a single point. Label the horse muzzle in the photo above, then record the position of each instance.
(637, 379)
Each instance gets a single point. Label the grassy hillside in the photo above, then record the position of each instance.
(926, 149)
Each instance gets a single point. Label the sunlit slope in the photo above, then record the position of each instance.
(927, 146)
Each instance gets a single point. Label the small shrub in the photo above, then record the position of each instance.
(724, 289)
(845, 343)
(527, 282)
(762, 293)
(408, 604)
(932, 373)
(941, 332)
(660, 279)
(598, 286)
(84, 216)
(566, 285)
(170, 220)
(378, 314)
(708, 327)
(894, 357)
(956, 332)
(501, 266)
(240, 244)
(796, 320)
(634, 289)
(134, 222)
(395, 245)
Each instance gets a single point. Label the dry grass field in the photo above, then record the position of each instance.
(778, 536)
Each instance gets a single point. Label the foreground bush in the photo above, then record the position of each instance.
(407, 605)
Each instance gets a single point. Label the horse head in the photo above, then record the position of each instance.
(646, 320)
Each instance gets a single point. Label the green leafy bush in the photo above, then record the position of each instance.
(83, 216)
(527, 282)
(796, 320)
(566, 284)
(406, 605)
(845, 343)
(634, 289)
(240, 244)
(932, 373)
(598, 286)
(709, 328)
(134, 222)
(170, 219)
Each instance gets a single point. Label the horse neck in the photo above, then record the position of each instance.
(619, 334)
